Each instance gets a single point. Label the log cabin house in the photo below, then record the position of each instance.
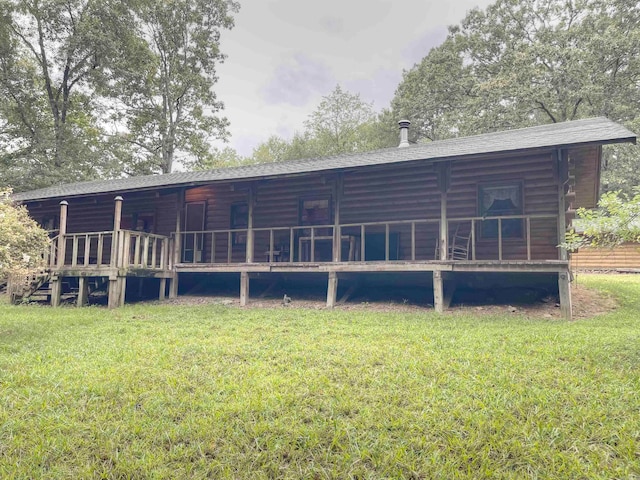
(498, 202)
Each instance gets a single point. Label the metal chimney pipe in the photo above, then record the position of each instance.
(404, 133)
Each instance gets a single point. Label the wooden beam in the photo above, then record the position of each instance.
(177, 244)
(163, 289)
(56, 291)
(62, 241)
(337, 233)
(443, 177)
(244, 288)
(563, 166)
(173, 286)
(332, 289)
(122, 290)
(438, 292)
(444, 228)
(564, 289)
(251, 200)
(116, 240)
(83, 292)
(113, 300)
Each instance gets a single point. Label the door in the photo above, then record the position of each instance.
(194, 221)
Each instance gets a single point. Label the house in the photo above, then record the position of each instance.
(495, 203)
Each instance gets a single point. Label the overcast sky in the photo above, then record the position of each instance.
(284, 55)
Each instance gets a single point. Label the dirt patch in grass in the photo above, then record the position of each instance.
(587, 303)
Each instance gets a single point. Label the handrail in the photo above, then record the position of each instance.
(205, 246)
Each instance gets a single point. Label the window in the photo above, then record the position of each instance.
(501, 201)
(239, 220)
(315, 211)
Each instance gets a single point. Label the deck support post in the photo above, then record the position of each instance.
(438, 291)
(56, 291)
(173, 286)
(244, 288)
(163, 289)
(332, 289)
(83, 292)
(564, 289)
(117, 289)
(113, 293)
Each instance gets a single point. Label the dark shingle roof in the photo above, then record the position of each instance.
(589, 131)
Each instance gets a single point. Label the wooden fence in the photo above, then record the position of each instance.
(623, 257)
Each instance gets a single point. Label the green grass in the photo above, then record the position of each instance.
(158, 391)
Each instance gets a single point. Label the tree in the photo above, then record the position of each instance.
(218, 158)
(52, 56)
(342, 123)
(522, 63)
(337, 122)
(171, 107)
(22, 241)
(615, 221)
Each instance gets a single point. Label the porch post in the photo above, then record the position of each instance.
(250, 204)
(563, 176)
(444, 183)
(337, 233)
(244, 288)
(117, 221)
(564, 289)
(332, 289)
(62, 244)
(115, 283)
(177, 244)
(438, 291)
(56, 281)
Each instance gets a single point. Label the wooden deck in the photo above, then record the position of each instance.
(546, 266)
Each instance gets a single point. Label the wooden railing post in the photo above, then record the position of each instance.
(115, 241)
(62, 240)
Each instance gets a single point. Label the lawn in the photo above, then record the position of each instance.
(212, 391)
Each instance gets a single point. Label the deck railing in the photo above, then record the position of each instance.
(300, 243)
(143, 250)
(97, 249)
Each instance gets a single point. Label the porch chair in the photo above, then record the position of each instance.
(460, 243)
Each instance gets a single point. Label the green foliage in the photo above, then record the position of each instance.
(53, 56)
(615, 221)
(94, 89)
(522, 63)
(168, 93)
(22, 241)
(170, 391)
(342, 123)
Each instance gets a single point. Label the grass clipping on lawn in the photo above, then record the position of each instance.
(153, 391)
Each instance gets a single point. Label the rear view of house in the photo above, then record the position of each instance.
(496, 203)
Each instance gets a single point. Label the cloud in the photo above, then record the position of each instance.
(332, 25)
(379, 87)
(417, 49)
(296, 81)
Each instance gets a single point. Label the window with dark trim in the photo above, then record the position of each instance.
(239, 220)
(501, 201)
(315, 211)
